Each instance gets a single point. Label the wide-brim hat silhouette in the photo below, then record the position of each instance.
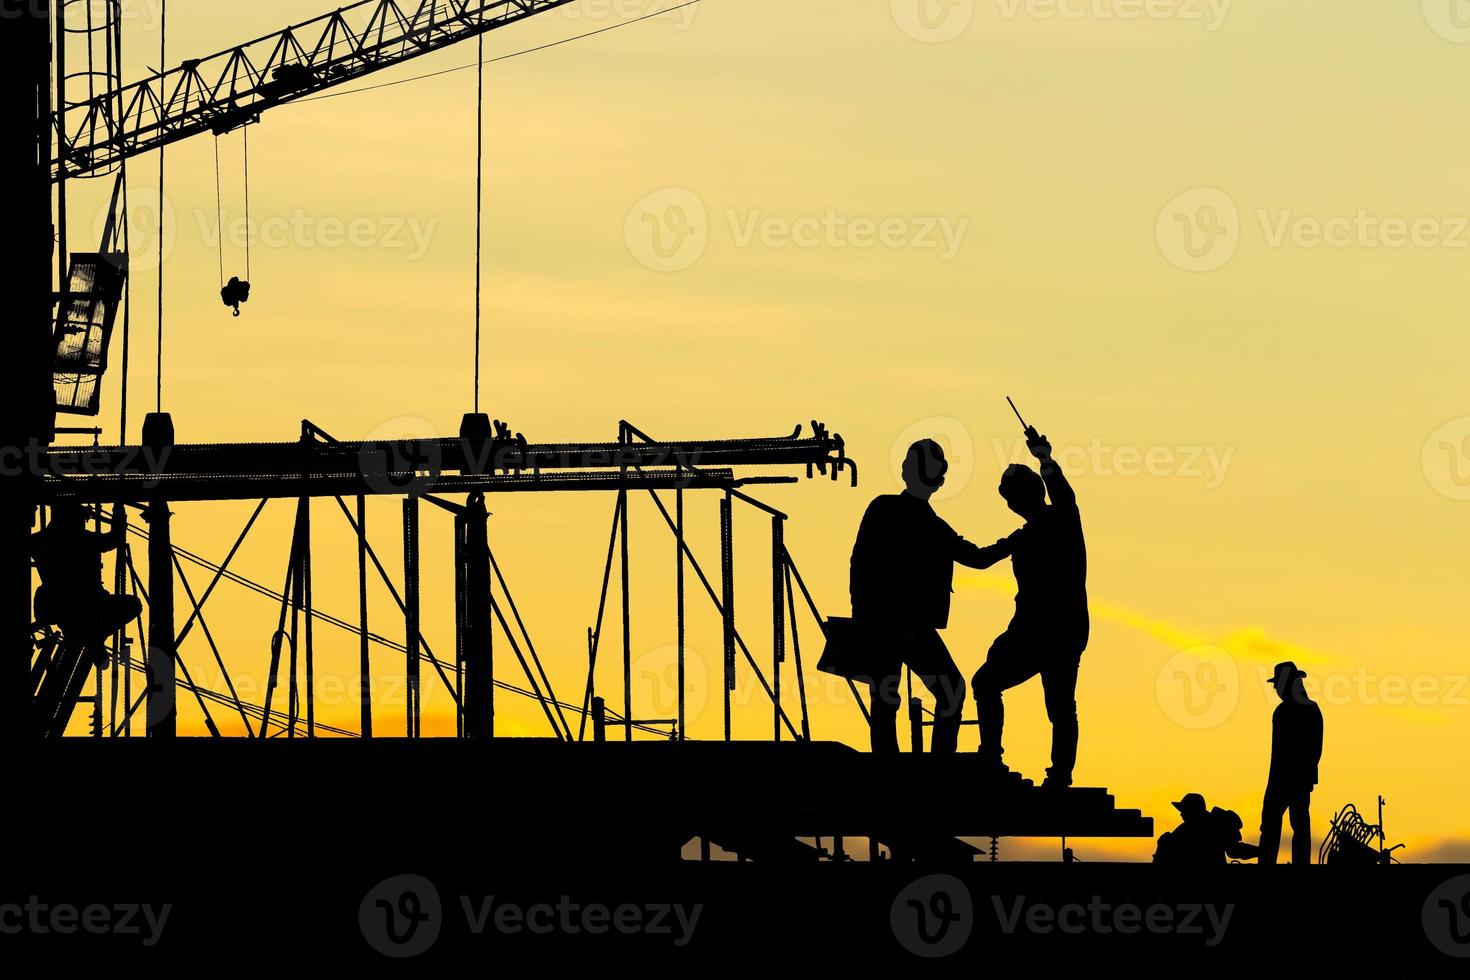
(1285, 671)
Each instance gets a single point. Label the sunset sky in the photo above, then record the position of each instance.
(1216, 251)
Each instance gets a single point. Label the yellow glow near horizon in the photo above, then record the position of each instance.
(1215, 250)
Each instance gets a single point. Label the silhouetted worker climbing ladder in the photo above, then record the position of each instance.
(71, 599)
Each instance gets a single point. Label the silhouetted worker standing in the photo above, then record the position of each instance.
(69, 560)
(1296, 748)
(1206, 838)
(902, 569)
(1049, 630)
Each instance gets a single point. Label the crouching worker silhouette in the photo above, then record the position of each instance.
(69, 560)
(1206, 838)
(1049, 630)
(1296, 748)
(902, 567)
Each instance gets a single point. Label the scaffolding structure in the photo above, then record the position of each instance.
(486, 458)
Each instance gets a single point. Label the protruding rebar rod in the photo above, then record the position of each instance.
(627, 625)
(364, 665)
(162, 717)
(778, 617)
(727, 603)
(411, 612)
(679, 603)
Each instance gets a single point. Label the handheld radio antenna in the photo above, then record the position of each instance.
(1017, 411)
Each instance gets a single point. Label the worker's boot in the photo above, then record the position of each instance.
(991, 769)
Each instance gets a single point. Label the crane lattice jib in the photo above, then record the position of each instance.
(232, 87)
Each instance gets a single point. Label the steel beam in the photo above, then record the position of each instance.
(727, 603)
(417, 466)
(162, 717)
(411, 611)
(479, 686)
(232, 486)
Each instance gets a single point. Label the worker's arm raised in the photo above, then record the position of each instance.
(1057, 487)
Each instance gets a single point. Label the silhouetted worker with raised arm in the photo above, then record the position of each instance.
(69, 559)
(1049, 630)
(902, 569)
(1296, 749)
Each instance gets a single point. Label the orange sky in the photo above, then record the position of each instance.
(1214, 250)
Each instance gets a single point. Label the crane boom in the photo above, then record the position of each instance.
(232, 87)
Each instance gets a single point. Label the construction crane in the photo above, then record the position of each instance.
(231, 88)
(56, 362)
(225, 91)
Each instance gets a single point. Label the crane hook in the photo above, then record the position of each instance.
(235, 292)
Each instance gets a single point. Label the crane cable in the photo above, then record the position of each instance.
(219, 217)
(249, 233)
(162, 60)
(479, 192)
(231, 292)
